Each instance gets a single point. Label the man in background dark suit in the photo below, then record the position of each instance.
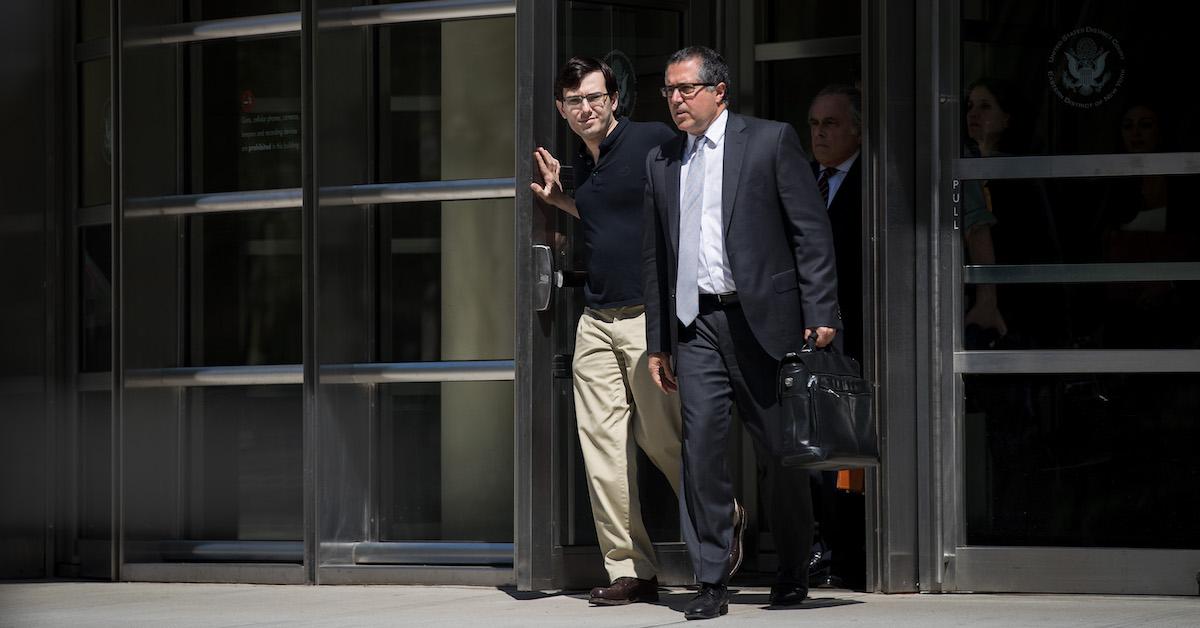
(739, 270)
(835, 128)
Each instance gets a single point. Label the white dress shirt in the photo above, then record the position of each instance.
(835, 179)
(714, 275)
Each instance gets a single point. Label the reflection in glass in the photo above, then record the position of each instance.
(416, 285)
(1082, 460)
(247, 283)
(95, 134)
(95, 299)
(1076, 221)
(432, 486)
(245, 460)
(95, 466)
(788, 87)
(219, 463)
(1080, 65)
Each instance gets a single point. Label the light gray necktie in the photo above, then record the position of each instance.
(687, 294)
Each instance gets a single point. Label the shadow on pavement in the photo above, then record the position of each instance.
(539, 595)
(763, 600)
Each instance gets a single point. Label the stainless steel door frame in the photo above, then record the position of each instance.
(534, 525)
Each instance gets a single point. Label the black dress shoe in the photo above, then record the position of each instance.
(626, 590)
(820, 568)
(787, 594)
(712, 601)
(735, 547)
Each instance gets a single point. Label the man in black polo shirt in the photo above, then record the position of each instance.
(616, 402)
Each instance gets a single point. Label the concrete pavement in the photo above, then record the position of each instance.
(86, 604)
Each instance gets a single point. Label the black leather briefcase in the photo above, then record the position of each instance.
(826, 422)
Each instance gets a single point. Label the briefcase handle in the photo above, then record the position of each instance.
(810, 344)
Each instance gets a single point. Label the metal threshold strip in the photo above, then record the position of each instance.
(1082, 273)
(433, 553)
(225, 551)
(364, 553)
(286, 23)
(293, 374)
(348, 195)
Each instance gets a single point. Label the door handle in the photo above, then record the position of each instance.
(543, 277)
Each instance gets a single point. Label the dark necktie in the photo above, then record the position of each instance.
(823, 183)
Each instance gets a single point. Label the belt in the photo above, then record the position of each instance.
(613, 314)
(725, 299)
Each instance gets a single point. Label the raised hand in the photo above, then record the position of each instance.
(550, 190)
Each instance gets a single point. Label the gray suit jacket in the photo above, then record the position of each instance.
(777, 237)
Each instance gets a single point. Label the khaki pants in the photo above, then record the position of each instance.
(617, 408)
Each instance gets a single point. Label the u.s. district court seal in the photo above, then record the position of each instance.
(1086, 67)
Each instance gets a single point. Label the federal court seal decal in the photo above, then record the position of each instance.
(1086, 67)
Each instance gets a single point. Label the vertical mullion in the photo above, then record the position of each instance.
(308, 181)
(378, 249)
(117, 522)
(53, 295)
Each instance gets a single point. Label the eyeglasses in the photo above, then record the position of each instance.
(687, 90)
(593, 100)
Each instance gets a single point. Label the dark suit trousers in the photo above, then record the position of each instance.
(719, 363)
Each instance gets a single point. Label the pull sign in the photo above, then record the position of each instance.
(956, 201)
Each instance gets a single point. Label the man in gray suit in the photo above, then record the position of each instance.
(739, 270)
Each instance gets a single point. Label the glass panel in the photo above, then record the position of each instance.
(447, 462)
(153, 123)
(95, 134)
(1077, 77)
(95, 299)
(788, 87)
(93, 480)
(1082, 460)
(246, 289)
(93, 19)
(1117, 220)
(249, 131)
(427, 97)
(635, 42)
(219, 463)
(791, 20)
(416, 282)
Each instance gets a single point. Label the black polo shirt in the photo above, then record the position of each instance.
(609, 197)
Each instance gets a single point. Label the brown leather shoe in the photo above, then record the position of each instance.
(625, 590)
(735, 547)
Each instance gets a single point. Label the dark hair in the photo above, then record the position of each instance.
(576, 68)
(1156, 106)
(713, 68)
(852, 94)
(1006, 95)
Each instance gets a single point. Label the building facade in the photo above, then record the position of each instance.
(279, 305)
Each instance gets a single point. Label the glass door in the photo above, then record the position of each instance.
(1073, 249)
(559, 547)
